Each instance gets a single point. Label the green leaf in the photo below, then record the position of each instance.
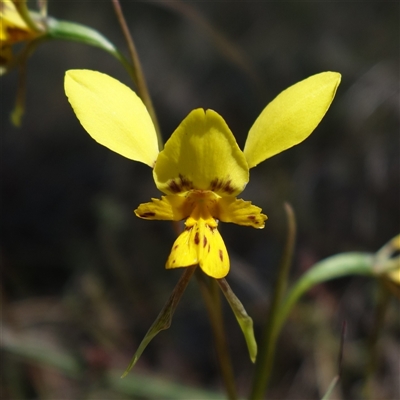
(66, 30)
(332, 385)
(163, 321)
(79, 33)
(42, 355)
(245, 322)
(333, 267)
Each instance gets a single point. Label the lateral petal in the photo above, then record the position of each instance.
(240, 212)
(112, 114)
(290, 117)
(171, 207)
(202, 154)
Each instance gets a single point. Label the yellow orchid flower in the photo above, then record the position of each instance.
(387, 264)
(201, 169)
(13, 29)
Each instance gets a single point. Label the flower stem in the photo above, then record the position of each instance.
(21, 60)
(22, 8)
(164, 318)
(383, 300)
(140, 80)
(212, 298)
(268, 342)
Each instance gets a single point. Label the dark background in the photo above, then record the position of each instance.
(83, 276)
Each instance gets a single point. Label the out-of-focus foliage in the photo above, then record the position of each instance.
(83, 276)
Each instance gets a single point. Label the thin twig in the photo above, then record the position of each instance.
(382, 303)
(212, 299)
(140, 80)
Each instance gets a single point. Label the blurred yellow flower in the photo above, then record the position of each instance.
(388, 261)
(13, 29)
(201, 169)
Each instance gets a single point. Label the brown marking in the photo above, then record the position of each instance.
(197, 238)
(18, 34)
(211, 229)
(185, 183)
(221, 185)
(180, 184)
(228, 188)
(215, 184)
(221, 255)
(147, 214)
(253, 218)
(209, 248)
(174, 186)
(176, 246)
(204, 241)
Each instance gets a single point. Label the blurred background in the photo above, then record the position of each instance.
(83, 278)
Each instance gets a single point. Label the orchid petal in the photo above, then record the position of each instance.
(200, 244)
(112, 114)
(240, 212)
(290, 117)
(201, 154)
(171, 207)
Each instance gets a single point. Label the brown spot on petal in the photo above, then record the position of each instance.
(253, 218)
(209, 248)
(222, 186)
(197, 238)
(174, 186)
(180, 184)
(204, 241)
(185, 183)
(147, 214)
(221, 255)
(176, 246)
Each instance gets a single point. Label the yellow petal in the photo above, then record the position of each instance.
(394, 276)
(171, 207)
(290, 117)
(240, 212)
(13, 28)
(112, 114)
(184, 252)
(203, 154)
(203, 245)
(10, 18)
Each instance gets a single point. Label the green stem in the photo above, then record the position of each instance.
(267, 349)
(376, 330)
(211, 294)
(71, 31)
(21, 61)
(140, 79)
(164, 318)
